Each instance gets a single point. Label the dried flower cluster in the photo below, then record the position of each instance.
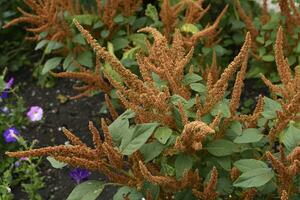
(110, 9)
(290, 90)
(47, 16)
(286, 168)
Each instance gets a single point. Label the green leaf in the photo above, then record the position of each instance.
(88, 190)
(222, 107)
(254, 178)
(79, 39)
(56, 164)
(119, 43)
(98, 24)
(123, 191)
(220, 50)
(245, 165)
(41, 44)
(221, 148)
(152, 12)
(162, 134)
(183, 162)
(120, 126)
(268, 58)
(119, 19)
(86, 19)
(51, 64)
(189, 28)
(260, 39)
(249, 135)
(151, 150)
(154, 189)
(191, 78)
(270, 108)
(53, 45)
(138, 39)
(132, 142)
(291, 137)
(86, 59)
(68, 61)
(236, 128)
(224, 162)
(104, 33)
(198, 87)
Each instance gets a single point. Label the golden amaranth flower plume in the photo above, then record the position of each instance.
(46, 16)
(104, 157)
(289, 91)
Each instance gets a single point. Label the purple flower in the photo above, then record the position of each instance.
(5, 92)
(79, 175)
(18, 163)
(35, 113)
(11, 135)
(5, 109)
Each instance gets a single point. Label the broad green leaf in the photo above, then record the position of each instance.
(191, 78)
(254, 178)
(268, 58)
(270, 108)
(56, 164)
(104, 33)
(68, 61)
(162, 134)
(138, 39)
(220, 50)
(154, 189)
(260, 39)
(221, 148)
(119, 18)
(119, 43)
(132, 142)
(88, 190)
(98, 24)
(51, 64)
(120, 126)
(291, 137)
(222, 107)
(41, 44)
(79, 39)
(151, 12)
(249, 135)
(175, 99)
(86, 19)
(112, 73)
(189, 28)
(245, 165)
(183, 162)
(53, 45)
(198, 87)
(86, 59)
(224, 162)
(123, 191)
(236, 128)
(151, 150)
(158, 81)
(130, 54)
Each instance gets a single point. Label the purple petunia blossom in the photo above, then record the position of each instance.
(35, 113)
(79, 175)
(11, 135)
(5, 92)
(18, 163)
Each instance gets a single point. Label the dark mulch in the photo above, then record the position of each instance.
(74, 115)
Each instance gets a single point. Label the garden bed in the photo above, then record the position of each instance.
(72, 114)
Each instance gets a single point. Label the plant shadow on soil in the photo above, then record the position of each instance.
(74, 115)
